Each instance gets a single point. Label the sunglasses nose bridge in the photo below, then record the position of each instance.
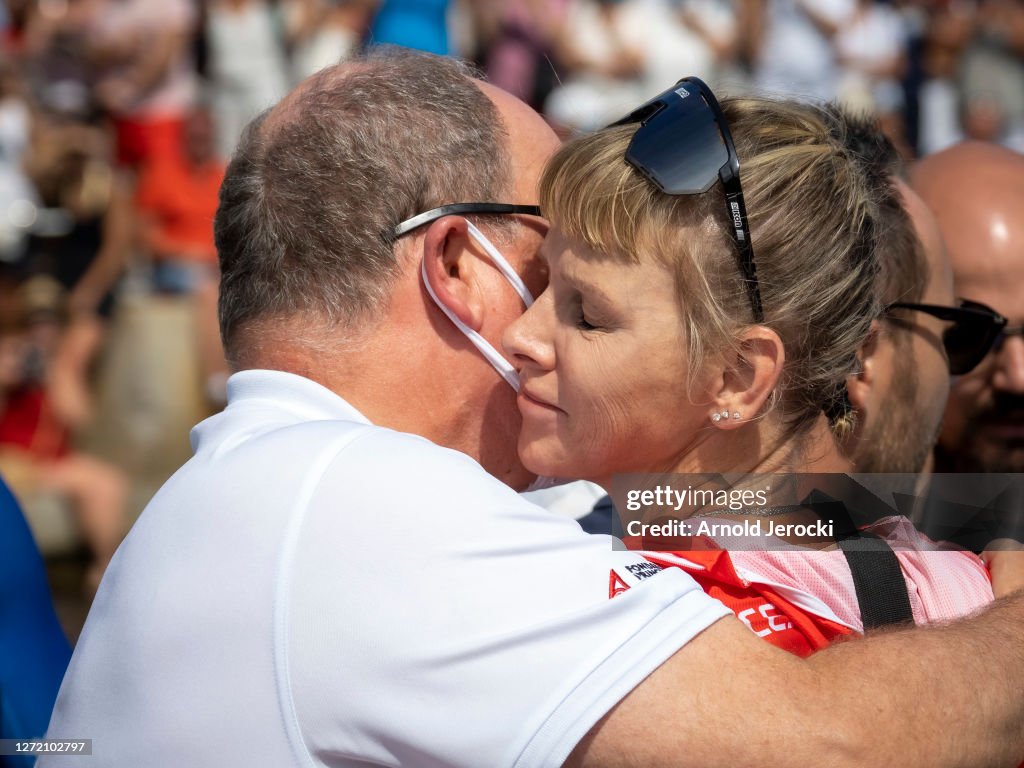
(1008, 374)
(1005, 334)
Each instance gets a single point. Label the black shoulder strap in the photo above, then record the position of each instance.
(878, 579)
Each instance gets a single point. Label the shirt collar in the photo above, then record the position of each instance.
(297, 394)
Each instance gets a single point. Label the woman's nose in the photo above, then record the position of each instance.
(528, 340)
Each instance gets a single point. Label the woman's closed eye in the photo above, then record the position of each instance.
(584, 323)
(590, 319)
(583, 310)
(579, 315)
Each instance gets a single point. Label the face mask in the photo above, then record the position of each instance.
(499, 363)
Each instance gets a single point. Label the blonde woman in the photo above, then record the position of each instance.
(663, 344)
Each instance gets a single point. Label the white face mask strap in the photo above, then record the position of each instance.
(503, 266)
(499, 363)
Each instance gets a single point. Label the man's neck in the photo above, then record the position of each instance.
(392, 377)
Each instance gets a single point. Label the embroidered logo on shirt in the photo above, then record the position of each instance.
(643, 570)
(616, 586)
(639, 571)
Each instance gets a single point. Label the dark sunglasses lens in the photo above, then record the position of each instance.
(680, 149)
(967, 342)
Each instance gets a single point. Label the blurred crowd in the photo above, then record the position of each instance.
(934, 71)
(117, 117)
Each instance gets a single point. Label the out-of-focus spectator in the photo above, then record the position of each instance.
(872, 56)
(619, 53)
(791, 44)
(247, 67)
(977, 193)
(516, 41)
(56, 56)
(323, 32)
(177, 200)
(33, 650)
(948, 32)
(992, 79)
(85, 247)
(17, 196)
(701, 39)
(13, 14)
(146, 76)
(603, 62)
(36, 454)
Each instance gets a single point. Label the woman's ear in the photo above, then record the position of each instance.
(452, 269)
(750, 374)
(862, 385)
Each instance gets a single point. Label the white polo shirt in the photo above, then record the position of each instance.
(312, 590)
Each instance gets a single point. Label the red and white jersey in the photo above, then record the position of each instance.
(791, 618)
(802, 600)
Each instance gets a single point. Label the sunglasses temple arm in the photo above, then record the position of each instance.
(737, 211)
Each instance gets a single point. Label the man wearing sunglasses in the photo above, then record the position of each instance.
(977, 193)
(338, 576)
(924, 336)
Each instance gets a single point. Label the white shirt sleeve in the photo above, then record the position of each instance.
(436, 618)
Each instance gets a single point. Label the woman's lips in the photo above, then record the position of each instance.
(533, 401)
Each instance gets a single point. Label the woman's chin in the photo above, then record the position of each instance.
(547, 460)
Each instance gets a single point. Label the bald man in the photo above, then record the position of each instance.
(977, 192)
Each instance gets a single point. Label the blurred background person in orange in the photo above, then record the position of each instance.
(177, 199)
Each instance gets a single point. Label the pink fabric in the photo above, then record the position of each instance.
(943, 583)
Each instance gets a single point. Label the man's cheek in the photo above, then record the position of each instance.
(975, 394)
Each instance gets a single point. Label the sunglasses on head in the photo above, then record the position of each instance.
(976, 329)
(683, 146)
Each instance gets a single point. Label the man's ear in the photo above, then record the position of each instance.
(861, 386)
(750, 374)
(453, 270)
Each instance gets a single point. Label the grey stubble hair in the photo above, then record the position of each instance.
(307, 202)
